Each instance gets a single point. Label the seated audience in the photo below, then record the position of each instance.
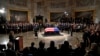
(80, 50)
(98, 38)
(93, 51)
(33, 49)
(52, 50)
(10, 51)
(26, 51)
(65, 49)
(41, 50)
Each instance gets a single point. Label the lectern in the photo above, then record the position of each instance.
(19, 43)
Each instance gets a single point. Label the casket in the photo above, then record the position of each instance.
(51, 31)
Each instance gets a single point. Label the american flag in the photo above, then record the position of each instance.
(51, 29)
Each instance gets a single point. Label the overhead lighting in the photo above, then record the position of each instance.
(66, 13)
(2, 10)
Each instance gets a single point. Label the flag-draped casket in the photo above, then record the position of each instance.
(51, 31)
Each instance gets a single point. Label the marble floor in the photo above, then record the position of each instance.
(29, 37)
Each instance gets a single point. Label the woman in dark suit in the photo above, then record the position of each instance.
(12, 38)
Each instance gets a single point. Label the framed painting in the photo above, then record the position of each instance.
(18, 16)
(84, 16)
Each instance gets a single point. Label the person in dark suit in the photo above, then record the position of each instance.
(12, 38)
(52, 50)
(10, 51)
(85, 37)
(33, 49)
(65, 49)
(98, 38)
(92, 37)
(36, 34)
(93, 50)
(71, 30)
(41, 51)
(36, 31)
(80, 50)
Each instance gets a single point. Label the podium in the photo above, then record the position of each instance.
(19, 43)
